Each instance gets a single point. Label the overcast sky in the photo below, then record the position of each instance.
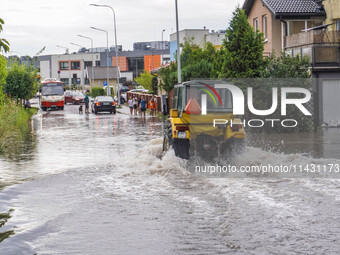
(31, 25)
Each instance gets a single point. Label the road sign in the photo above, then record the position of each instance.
(104, 83)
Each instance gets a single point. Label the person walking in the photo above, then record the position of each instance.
(87, 102)
(130, 102)
(143, 104)
(152, 106)
(138, 105)
(135, 105)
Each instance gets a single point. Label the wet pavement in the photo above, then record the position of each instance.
(99, 184)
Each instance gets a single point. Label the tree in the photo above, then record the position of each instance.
(242, 53)
(195, 62)
(145, 80)
(21, 82)
(287, 66)
(4, 44)
(168, 77)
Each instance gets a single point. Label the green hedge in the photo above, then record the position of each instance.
(97, 92)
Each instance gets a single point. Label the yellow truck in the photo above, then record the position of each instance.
(201, 122)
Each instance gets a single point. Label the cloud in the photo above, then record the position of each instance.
(30, 25)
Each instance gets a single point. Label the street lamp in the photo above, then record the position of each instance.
(107, 57)
(69, 67)
(116, 46)
(92, 58)
(178, 52)
(82, 65)
(162, 38)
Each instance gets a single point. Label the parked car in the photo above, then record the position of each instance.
(139, 90)
(74, 97)
(124, 89)
(103, 104)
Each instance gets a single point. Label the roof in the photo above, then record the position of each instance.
(290, 7)
(100, 72)
(294, 6)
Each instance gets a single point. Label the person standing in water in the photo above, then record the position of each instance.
(130, 102)
(143, 106)
(87, 102)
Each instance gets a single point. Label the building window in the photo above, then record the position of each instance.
(338, 25)
(64, 80)
(63, 66)
(88, 63)
(97, 63)
(256, 24)
(75, 65)
(264, 24)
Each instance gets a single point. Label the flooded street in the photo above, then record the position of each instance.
(98, 184)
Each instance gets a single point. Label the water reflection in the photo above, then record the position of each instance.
(19, 147)
(325, 144)
(4, 217)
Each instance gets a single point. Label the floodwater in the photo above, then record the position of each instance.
(99, 184)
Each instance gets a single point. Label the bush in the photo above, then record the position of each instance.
(14, 126)
(97, 92)
(21, 82)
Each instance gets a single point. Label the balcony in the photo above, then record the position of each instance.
(322, 47)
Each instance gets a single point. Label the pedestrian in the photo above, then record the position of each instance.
(87, 102)
(122, 100)
(130, 102)
(135, 105)
(152, 106)
(27, 104)
(139, 100)
(143, 104)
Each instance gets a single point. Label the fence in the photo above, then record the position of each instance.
(130, 95)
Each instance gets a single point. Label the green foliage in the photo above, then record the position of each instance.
(4, 44)
(96, 91)
(145, 80)
(195, 63)
(154, 85)
(242, 53)
(3, 75)
(14, 127)
(168, 77)
(21, 82)
(287, 66)
(200, 69)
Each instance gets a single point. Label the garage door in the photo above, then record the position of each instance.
(331, 102)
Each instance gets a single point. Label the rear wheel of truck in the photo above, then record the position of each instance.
(167, 139)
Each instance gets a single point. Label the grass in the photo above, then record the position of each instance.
(14, 124)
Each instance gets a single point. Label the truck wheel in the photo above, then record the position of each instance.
(167, 139)
(182, 148)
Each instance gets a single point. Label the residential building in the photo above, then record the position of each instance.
(138, 60)
(277, 19)
(155, 45)
(197, 36)
(332, 8)
(68, 68)
(100, 76)
(308, 28)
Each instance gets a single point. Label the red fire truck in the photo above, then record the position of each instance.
(52, 94)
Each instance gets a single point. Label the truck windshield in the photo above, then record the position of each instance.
(218, 100)
(50, 90)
